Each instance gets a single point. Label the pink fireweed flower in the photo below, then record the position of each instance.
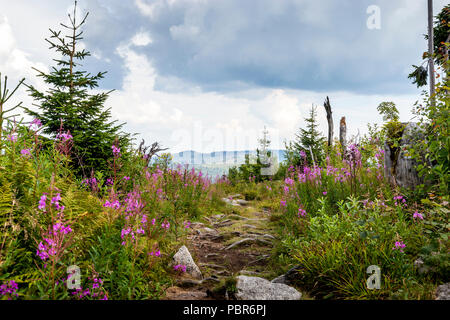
(400, 201)
(127, 233)
(9, 289)
(116, 151)
(187, 224)
(324, 193)
(25, 153)
(64, 136)
(55, 201)
(301, 212)
(418, 215)
(399, 245)
(165, 225)
(42, 203)
(153, 221)
(286, 189)
(113, 204)
(283, 203)
(53, 245)
(289, 181)
(36, 122)
(155, 253)
(302, 154)
(126, 178)
(12, 137)
(180, 267)
(59, 227)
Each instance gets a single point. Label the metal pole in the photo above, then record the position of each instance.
(431, 49)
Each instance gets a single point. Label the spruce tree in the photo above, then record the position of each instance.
(309, 138)
(67, 100)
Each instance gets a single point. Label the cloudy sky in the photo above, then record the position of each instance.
(209, 75)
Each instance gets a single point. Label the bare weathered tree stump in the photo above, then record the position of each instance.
(399, 167)
(327, 106)
(343, 133)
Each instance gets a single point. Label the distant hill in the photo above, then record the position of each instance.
(218, 163)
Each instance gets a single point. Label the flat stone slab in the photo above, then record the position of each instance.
(177, 293)
(242, 202)
(255, 288)
(238, 243)
(230, 202)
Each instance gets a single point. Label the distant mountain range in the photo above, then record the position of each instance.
(218, 163)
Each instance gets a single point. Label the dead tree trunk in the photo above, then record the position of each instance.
(343, 134)
(327, 106)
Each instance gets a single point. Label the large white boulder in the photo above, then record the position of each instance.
(255, 288)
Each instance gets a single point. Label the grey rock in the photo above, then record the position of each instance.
(230, 202)
(443, 292)
(248, 273)
(208, 232)
(210, 280)
(222, 272)
(255, 288)
(237, 216)
(280, 279)
(268, 236)
(197, 225)
(239, 242)
(264, 241)
(211, 265)
(242, 202)
(288, 277)
(421, 267)
(184, 257)
(188, 283)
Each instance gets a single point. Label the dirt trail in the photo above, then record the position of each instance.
(226, 245)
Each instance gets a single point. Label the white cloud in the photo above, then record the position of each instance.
(141, 39)
(16, 64)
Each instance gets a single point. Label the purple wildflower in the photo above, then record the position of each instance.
(418, 215)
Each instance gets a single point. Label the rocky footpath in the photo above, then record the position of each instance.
(226, 257)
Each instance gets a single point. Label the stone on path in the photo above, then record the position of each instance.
(242, 202)
(443, 292)
(255, 288)
(239, 242)
(183, 257)
(177, 293)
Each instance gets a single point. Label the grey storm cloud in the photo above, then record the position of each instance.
(311, 45)
(232, 45)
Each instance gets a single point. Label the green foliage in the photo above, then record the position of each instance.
(335, 251)
(419, 76)
(69, 107)
(307, 140)
(441, 32)
(433, 152)
(389, 111)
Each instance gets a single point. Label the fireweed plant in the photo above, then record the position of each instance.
(337, 219)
